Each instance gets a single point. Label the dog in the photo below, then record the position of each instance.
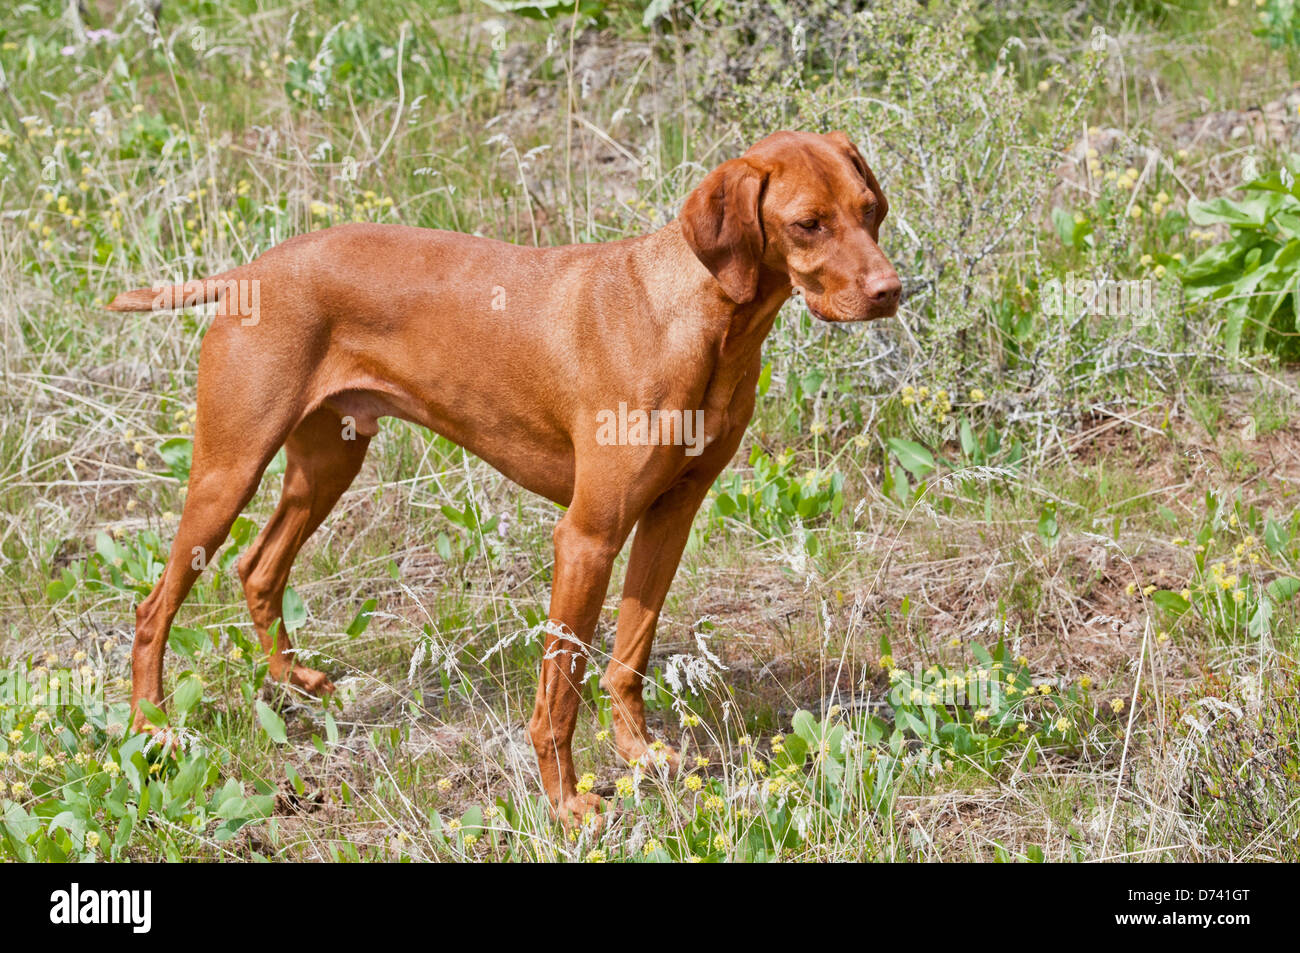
(519, 355)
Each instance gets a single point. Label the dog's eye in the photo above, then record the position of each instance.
(809, 224)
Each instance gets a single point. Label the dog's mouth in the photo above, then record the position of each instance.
(815, 311)
(818, 313)
(821, 315)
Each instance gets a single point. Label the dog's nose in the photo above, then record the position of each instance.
(883, 291)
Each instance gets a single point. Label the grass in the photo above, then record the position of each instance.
(1055, 518)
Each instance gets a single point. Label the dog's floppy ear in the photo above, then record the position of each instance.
(723, 226)
(845, 143)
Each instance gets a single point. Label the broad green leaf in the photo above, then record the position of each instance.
(187, 694)
(805, 726)
(1283, 588)
(1171, 602)
(293, 611)
(917, 460)
(107, 549)
(187, 642)
(152, 712)
(1252, 212)
(1276, 536)
(272, 723)
(188, 779)
(178, 453)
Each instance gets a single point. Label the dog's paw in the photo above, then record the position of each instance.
(583, 811)
(310, 681)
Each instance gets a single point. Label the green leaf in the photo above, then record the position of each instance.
(233, 807)
(178, 454)
(293, 611)
(107, 549)
(1049, 531)
(1072, 233)
(187, 694)
(654, 10)
(1275, 536)
(811, 383)
(1217, 265)
(895, 484)
(187, 642)
(456, 516)
(805, 726)
(1283, 588)
(914, 724)
(1261, 619)
(362, 618)
(272, 724)
(188, 779)
(1248, 213)
(917, 460)
(152, 712)
(243, 531)
(1171, 602)
(969, 445)
(1232, 330)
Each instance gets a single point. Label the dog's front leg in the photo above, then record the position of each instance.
(657, 548)
(585, 548)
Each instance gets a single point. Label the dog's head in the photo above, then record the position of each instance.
(806, 206)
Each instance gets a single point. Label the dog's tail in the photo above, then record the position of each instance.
(171, 297)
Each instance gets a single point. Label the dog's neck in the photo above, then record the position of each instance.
(740, 327)
(733, 332)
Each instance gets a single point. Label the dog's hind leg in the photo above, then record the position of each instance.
(324, 457)
(230, 456)
(250, 394)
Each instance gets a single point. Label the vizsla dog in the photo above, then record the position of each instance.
(518, 354)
